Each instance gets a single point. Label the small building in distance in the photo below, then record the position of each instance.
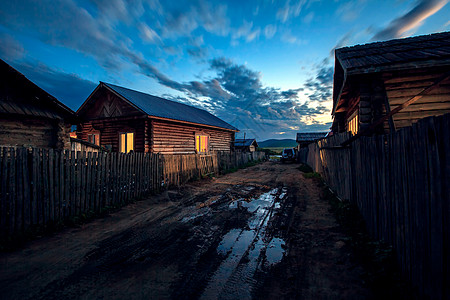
(125, 120)
(29, 116)
(409, 77)
(245, 145)
(305, 138)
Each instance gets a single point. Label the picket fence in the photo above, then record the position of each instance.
(401, 184)
(41, 186)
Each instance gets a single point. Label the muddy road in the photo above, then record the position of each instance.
(259, 233)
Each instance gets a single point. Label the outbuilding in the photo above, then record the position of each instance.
(124, 120)
(29, 116)
(245, 145)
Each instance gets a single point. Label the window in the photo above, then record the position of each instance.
(94, 138)
(201, 143)
(126, 142)
(353, 123)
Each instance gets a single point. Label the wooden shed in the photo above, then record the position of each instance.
(29, 116)
(245, 145)
(305, 138)
(383, 86)
(125, 120)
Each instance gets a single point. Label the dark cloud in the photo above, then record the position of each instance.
(67, 88)
(411, 20)
(10, 48)
(237, 95)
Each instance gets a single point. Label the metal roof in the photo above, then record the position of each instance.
(163, 108)
(310, 136)
(245, 143)
(20, 96)
(374, 57)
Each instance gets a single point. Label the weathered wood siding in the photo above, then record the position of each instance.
(29, 131)
(401, 86)
(109, 131)
(41, 186)
(400, 182)
(175, 138)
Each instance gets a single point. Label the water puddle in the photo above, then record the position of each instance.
(275, 251)
(244, 250)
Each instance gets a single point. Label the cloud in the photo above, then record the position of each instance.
(289, 38)
(289, 11)
(246, 31)
(413, 19)
(308, 18)
(67, 88)
(148, 34)
(351, 10)
(10, 48)
(237, 95)
(269, 31)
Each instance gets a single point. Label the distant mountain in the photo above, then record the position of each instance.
(272, 143)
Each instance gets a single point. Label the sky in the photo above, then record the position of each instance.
(265, 67)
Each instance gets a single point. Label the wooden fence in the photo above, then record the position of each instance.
(40, 186)
(401, 184)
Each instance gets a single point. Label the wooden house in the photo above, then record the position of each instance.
(245, 145)
(125, 120)
(305, 138)
(383, 86)
(29, 116)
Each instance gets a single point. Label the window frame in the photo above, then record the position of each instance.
(353, 122)
(96, 141)
(126, 133)
(198, 149)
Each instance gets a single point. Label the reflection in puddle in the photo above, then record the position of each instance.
(243, 248)
(274, 251)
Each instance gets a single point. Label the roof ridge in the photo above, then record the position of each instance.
(164, 99)
(401, 41)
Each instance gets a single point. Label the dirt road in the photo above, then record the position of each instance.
(261, 233)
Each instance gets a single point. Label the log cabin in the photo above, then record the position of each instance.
(245, 145)
(29, 116)
(125, 120)
(383, 86)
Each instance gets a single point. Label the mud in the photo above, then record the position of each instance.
(259, 233)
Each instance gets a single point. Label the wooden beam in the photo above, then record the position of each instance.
(396, 110)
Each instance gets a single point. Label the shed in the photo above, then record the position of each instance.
(29, 116)
(394, 83)
(245, 145)
(305, 138)
(125, 120)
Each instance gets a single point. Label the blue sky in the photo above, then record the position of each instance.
(265, 67)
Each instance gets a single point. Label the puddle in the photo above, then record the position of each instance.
(275, 251)
(243, 248)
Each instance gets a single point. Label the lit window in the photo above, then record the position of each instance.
(353, 123)
(201, 143)
(94, 138)
(126, 141)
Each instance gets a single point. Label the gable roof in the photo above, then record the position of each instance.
(245, 142)
(373, 57)
(393, 55)
(159, 107)
(20, 96)
(310, 136)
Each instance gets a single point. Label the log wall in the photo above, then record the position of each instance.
(175, 138)
(29, 131)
